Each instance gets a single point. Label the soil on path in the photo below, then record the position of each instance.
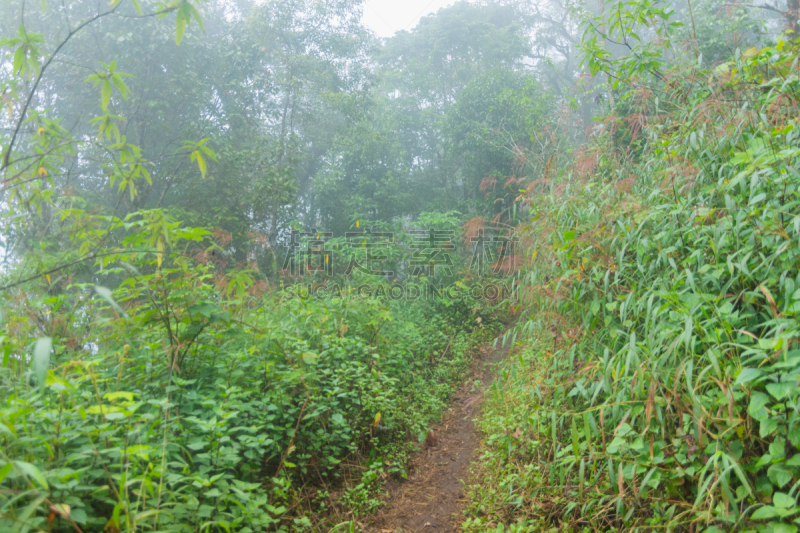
(431, 500)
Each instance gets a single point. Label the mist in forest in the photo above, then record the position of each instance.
(255, 257)
(314, 119)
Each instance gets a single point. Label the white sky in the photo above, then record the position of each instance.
(385, 17)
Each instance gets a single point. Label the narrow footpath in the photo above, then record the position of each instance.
(432, 499)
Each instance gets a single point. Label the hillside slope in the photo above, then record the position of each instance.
(657, 383)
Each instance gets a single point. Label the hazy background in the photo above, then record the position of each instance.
(385, 17)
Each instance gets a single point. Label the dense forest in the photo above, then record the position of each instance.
(252, 252)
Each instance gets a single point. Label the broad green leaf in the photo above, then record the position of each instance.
(204, 309)
(30, 470)
(757, 409)
(765, 512)
(767, 426)
(779, 475)
(782, 500)
(41, 360)
(781, 391)
(5, 470)
(139, 449)
(127, 396)
(747, 375)
(58, 383)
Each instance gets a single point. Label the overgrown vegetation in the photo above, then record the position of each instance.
(656, 382)
(207, 206)
(153, 376)
(196, 412)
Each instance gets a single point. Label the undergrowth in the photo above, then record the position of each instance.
(658, 385)
(168, 406)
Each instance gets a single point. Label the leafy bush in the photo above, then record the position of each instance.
(169, 405)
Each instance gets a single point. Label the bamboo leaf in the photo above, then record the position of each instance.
(180, 27)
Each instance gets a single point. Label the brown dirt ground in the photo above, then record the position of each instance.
(432, 498)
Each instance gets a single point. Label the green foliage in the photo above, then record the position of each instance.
(626, 20)
(182, 398)
(658, 385)
(499, 116)
(26, 52)
(147, 386)
(720, 29)
(157, 375)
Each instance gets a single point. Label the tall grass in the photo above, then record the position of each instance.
(658, 384)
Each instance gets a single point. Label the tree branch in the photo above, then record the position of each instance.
(39, 78)
(66, 265)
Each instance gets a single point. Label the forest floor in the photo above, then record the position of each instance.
(432, 499)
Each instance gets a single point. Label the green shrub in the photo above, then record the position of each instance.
(169, 406)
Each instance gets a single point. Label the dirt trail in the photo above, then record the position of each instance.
(432, 498)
